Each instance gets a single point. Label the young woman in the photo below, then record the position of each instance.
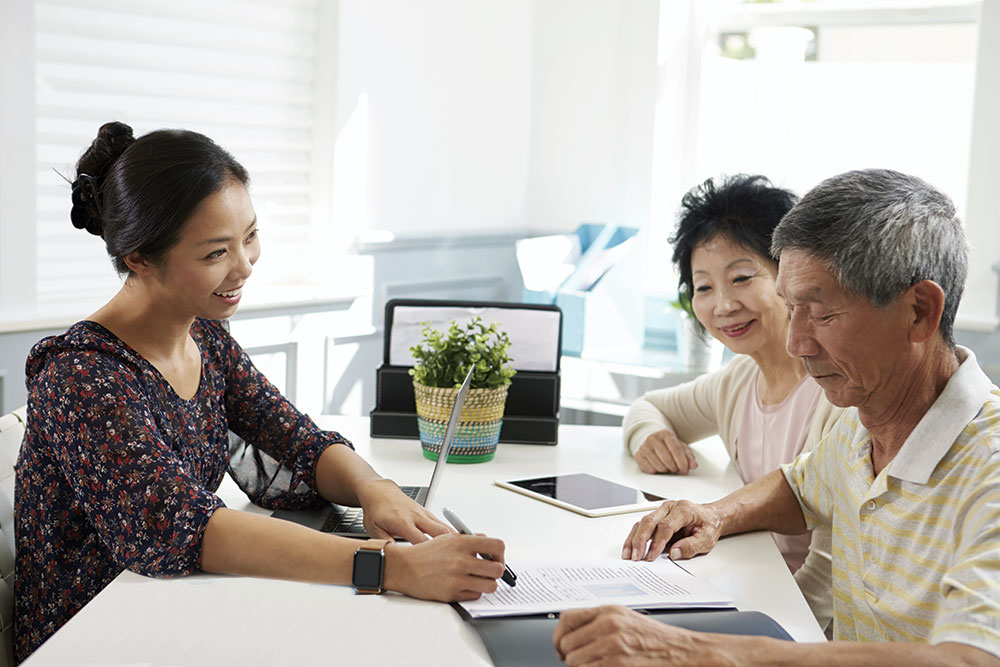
(762, 404)
(129, 413)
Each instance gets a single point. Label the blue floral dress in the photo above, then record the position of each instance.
(118, 472)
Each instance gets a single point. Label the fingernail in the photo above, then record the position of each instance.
(675, 554)
(626, 553)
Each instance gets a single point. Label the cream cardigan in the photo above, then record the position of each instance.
(713, 404)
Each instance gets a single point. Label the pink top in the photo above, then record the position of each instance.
(771, 435)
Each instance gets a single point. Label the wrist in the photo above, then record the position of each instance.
(369, 489)
(395, 555)
(718, 513)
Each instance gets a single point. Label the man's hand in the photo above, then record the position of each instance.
(664, 452)
(447, 568)
(390, 513)
(620, 636)
(691, 529)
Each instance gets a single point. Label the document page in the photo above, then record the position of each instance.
(533, 333)
(551, 587)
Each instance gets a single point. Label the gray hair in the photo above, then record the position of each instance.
(881, 232)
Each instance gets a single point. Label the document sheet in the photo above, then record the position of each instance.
(533, 333)
(552, 587)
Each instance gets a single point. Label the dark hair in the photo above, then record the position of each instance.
(882, 232)
(136, 194)
(743, 208)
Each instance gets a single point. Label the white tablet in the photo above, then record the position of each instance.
(585, 493)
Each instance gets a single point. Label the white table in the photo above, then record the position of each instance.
(218, 620)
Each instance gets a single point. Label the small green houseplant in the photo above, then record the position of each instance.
(442, 361)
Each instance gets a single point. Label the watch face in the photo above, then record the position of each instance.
(368, 570)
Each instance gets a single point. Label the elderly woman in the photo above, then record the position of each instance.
(762, 404)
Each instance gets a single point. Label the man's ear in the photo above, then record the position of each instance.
(138, 264)
(927, 303)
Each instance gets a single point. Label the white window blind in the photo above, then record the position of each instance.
(240, 72)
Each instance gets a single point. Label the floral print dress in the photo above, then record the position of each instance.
(119, 472)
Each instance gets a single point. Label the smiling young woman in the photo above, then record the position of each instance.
(130, 410)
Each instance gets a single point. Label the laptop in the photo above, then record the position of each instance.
(349, 521)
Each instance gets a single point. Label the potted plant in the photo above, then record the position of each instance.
(442, 362)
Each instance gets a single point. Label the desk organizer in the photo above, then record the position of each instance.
(532, 412)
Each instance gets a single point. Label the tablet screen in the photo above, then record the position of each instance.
(586, 491)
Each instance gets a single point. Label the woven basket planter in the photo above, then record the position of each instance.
(478, 426)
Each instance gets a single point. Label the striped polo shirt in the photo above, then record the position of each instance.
(916, 549)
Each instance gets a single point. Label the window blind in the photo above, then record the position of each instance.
(241, 72)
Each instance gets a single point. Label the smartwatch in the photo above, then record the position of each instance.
(369, 567)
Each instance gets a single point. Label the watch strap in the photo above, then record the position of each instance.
(373, 544)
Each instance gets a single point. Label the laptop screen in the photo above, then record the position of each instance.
(449, 435)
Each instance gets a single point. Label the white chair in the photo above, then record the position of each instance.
(11, 434)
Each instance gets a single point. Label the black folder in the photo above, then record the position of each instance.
(532, 412)
(527, 640)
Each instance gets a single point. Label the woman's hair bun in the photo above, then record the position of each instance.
(91, 170)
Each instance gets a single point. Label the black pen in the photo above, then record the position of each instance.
(508, 576)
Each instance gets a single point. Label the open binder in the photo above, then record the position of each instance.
(531, 415)
(516, 623)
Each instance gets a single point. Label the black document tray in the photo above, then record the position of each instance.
(531, 415)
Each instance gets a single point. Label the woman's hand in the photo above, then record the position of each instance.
(390, 513)
(664, 452)
(447, 568)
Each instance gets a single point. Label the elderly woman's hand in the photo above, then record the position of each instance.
(664, 452)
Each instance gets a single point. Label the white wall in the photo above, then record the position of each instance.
(456, 116)
(593, 94)
(433, 114)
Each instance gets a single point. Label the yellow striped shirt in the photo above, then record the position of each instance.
(916, 550)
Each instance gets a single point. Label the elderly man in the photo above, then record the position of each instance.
(872, 265)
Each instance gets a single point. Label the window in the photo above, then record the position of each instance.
(242, 73)
(800, 91)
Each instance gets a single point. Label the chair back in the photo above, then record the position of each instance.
(11, 433)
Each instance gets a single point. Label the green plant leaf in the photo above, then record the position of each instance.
(443, 359)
